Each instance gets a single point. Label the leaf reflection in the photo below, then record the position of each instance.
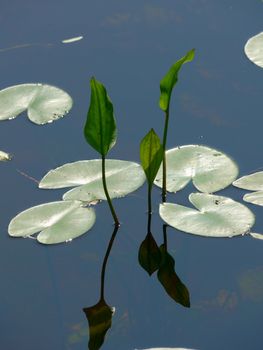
(100, 315)
(153, 258)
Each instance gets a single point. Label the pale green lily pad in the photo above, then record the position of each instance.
(216, 216)
(122, 177)
(256, 235)
(57, 222)
(252, 182)
(5, 156)
(254, 198)
(44, 103)
(254, 49)
(209, 169)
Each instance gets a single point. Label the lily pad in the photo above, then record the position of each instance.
(254, 49)
(254, 198)
(4, 156)
(122, 177)
(57, 222)
(44, 103)
(216, 216)
(252, 182)
(256, 235)
(209, 169)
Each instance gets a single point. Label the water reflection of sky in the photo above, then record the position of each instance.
(129, 46)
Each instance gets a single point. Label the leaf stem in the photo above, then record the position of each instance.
(117, 223)
(104, 264)
(165, 237)
(164, 156)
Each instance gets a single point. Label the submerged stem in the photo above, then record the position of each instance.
(107, 193)
(104, 264)
(164, 156)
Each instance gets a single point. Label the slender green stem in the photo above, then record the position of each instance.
(104, 264)
(107, 193)
(164, 156)
(149, 208)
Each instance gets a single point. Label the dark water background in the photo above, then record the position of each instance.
(129, 46)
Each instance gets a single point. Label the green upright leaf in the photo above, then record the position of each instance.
(100, 128)
(149, 254)
(170, 281)
(170, 79)
(99, 317)
(151, 154)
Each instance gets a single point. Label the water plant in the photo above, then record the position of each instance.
(44, 103)
(100, 130)
(166, 86)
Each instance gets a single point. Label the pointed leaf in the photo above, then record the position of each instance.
(122, 177)
(151, 154)
(209, 169)
(57, 222)
(254, 49)
(44, 103)
(170, 79)
(100, 128)
(149, 254)
(170, 281)
(217, 216)
(99, 317)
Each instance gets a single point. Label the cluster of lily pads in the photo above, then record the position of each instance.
(95, 180)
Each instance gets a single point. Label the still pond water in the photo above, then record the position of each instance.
(218, 102)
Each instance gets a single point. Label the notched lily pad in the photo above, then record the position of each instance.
(209, 169)
(44, 103)
(122, 177)
(254, 49)
(217, 216)
(57, 222)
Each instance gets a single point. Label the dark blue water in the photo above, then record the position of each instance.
(129, 46)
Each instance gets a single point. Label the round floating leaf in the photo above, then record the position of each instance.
(57, 222)
(4, 156)
(122, 177)
(254, 49)
(44, 103)
(252, 182)
(210, 169)
(216, 216)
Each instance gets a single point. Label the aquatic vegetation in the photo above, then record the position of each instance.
(212, 217)
(122, 177)
(209, 169)
(5, 156)
(166, 86)
(254, 49)
(44, 103)
(56, 221)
